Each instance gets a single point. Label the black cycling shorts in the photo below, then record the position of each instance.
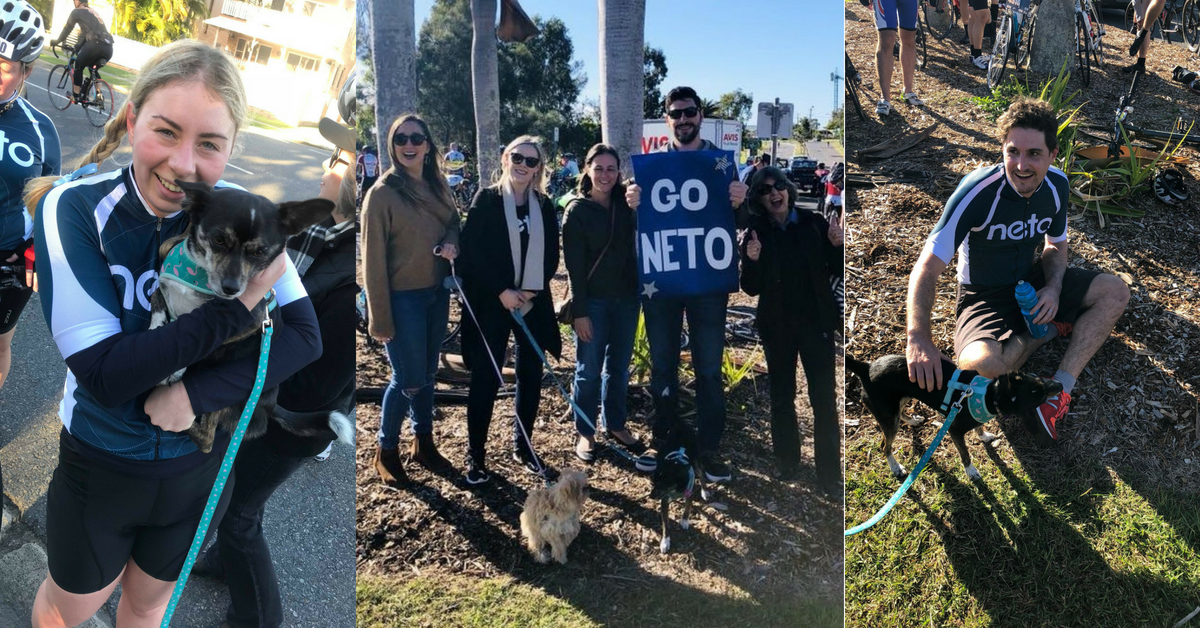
(12, 303)
(978, 5)
(993, 313)
(97, 518)
(90, 54)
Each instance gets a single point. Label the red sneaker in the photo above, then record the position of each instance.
(1063, 328)
(1051, 412)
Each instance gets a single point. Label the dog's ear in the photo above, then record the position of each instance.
(196, 195)
(297, 216)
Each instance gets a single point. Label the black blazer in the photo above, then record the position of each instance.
(795, 261)
(485, 265)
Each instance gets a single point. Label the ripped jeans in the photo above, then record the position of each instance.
(420, 320)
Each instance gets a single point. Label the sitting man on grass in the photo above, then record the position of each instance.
(995, 220)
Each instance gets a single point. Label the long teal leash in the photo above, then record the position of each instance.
(214, 496)
(912, 476)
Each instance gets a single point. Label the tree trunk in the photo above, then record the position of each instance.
(1053, 39)
(622, 31)
(394, 53)
(485, 88)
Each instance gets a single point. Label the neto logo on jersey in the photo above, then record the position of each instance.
(145, 286)
(17, 151)
(1021, 229)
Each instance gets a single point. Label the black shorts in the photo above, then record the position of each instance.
(12, 303)
(98, 518)
(978, 5)
(993, 314)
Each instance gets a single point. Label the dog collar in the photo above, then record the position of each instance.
(976, 392)
(181, 268)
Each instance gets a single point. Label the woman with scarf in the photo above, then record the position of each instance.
(509, 255)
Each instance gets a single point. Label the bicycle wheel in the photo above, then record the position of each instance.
(1025, 39)
(57, 86)
(938, 17)
(1191, 24)
(1130, 17)
(1083, 63)
(1004, 34)
(922, 49)
(100, 103)
(1097, 32)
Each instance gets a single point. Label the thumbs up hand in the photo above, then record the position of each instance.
(753, 247)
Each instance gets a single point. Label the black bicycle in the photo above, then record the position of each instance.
(1013, 36)
(1172, 19)
(1116, 133)
(853, 88)
(95, 95)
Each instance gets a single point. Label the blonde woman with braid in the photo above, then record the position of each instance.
(130, 486)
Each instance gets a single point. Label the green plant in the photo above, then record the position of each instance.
(733, 374)
(639, 369)
(997, 101)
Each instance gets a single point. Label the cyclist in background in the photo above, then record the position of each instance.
(96, 44)
(456, 162)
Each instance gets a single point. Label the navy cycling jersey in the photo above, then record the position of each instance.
(28, 148)
(97, 249)
(995, 230)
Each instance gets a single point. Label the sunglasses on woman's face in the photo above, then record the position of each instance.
(690, 112)
(765, 188)
(518, 159)
(400, 139)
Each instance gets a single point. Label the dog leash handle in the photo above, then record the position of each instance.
(912, 477)
(214, 496)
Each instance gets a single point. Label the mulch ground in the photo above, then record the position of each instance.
(761, 539)
(1136, 405)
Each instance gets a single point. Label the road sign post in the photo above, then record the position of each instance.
(775, 121)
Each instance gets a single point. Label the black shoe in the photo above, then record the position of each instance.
(1137, 42)
(477, 473)
(966, 39)
(1140, 66)
(532, 463)
(635, 446)
(787, 472)
(715, 470)
(586, 451)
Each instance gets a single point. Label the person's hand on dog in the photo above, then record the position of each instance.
(1047, 305)
(448, 251)
(583, 328)
(170, 408)
(753, 247)
(737, 193)
(512, 299)
(633, 194)
(924, 363)
(259, 284)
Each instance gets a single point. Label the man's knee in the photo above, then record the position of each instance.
(1108, 291)
(907, 37)
(887, 39)
(984, 357)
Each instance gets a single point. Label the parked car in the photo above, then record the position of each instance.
(803, 173)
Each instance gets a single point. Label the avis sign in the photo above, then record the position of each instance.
(685, 240)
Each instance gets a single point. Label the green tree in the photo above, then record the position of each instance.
(654, 70)
(806, 129)
(157, 22)
(444, 73)
(735, 105)
(837, 123)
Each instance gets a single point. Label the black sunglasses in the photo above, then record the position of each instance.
(518, 159)
(400, 139)
(765, 188)
(690, 112)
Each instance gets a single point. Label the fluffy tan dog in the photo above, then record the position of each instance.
(551, 516)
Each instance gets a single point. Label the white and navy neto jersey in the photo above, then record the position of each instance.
(995, 230)
(97, 251)
(28, 148)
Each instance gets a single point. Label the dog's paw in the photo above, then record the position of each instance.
(898, 470)
(913, 422)
(987, 438)
(665, 545)
(685, 524)
(973, 473)
(158, 318)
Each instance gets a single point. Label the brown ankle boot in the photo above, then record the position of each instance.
(388, 466)
(425, 453)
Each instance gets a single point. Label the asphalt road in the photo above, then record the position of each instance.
(310, 520)
(825, 153)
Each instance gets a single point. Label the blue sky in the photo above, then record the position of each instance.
(783, 49)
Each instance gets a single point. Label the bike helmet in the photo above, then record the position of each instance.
(1169, 187)
(347, 100)
(21, 36)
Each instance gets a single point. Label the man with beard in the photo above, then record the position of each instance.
(995, 220)
(706, 322)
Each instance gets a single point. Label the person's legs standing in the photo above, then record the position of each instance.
(706, 324)
(906, 15)
(816, 354)
(664, 325)
(589, 363)
(980, 16)
(781, 351)
(406, 353)
(885, 62)
(615, 390)
(488, 355)
(1146, 12)
(529, 393)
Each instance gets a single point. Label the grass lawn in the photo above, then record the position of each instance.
(449, 601)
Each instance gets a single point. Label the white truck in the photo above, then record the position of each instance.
(726, 134)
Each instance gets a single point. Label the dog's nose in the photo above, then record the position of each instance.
(229, 286)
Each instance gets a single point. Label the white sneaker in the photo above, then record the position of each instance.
(912, 100)
(324, 455)
(883, 108)
(981, 61)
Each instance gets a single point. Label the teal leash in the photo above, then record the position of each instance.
(214, 496)
(912, 477)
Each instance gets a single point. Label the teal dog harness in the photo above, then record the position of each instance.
(976, 404)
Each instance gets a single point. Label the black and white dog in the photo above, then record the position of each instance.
(233, 236)
(678, 474)
(886, 388)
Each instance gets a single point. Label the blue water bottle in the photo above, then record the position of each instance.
(1027, 299)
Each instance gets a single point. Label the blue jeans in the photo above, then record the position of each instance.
(602, 365)
(706, 325)
(420, 320)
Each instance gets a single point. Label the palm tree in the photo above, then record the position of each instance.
(394, 52)
(622, 33)
(157, 22)
(485, 87)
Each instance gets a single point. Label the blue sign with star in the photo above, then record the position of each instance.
(686, 243)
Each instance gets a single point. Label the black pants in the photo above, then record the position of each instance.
(815, 350)
(481, 399)
(90, 54)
